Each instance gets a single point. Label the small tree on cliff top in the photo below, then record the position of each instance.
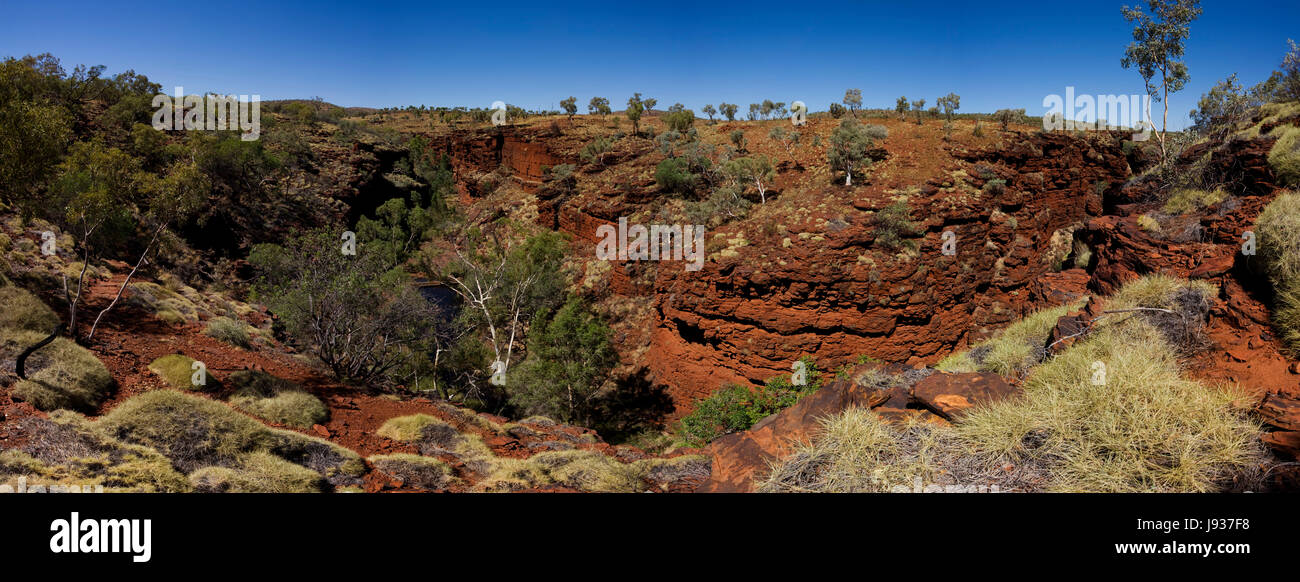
(1157, 48)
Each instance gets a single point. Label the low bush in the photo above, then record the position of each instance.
(1185, 200)
(1278, 227)
(1019, 346)
(258, 472)
(229, 330)
(415, 470)
(65, 449)
(276, 400)
(24, 311)
(734, 408)
(61, 374)
(409, 428)
(893, 224)
(177, 370)
(195, 432)
(1284, 158)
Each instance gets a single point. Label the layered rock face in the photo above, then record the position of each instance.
(732, 322)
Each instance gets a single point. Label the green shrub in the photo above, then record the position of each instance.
(258, 472)
(1285, 155)
(893, 223)
(734, 408)
(674, 175)
(273, 399)
(22, 310)
(60, 375)
(178, 372)
(592, 471)
(228, 330)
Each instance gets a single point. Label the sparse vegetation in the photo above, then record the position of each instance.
(1187, 200)
(734, 407)
(1143, 428)
(1279, 251)
(276, 400)
(231, 331)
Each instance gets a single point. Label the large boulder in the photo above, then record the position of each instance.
(949, 394)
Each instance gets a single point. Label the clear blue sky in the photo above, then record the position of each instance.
(994, 53)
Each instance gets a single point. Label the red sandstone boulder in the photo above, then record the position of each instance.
(950, 394)
(739, 458)
(1281, 411)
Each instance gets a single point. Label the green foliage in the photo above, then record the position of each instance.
(570, 106)
(918, 106)
(680, 120)
(595, 150)
(1222, 108)
(229, 330)
(848, 149)
(1284, 158)
(735, 408)
(276, 400)
(756, 171)
(363, 320)
(24, 311)
(1005, 117)
(568, 360)
(1279, 250)
(177, 370)
(674, 175)
(893, 224)
(635, 107)
(32, 140)
(598, 105)
(728, 110)
(853, 100)
(723, 203)
(737, 137)
(1157, 47)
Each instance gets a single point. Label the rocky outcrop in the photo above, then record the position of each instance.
(737, 321)
(949, 394)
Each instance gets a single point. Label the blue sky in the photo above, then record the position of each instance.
(994, 53)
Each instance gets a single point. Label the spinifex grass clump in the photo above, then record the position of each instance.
(1019, 346)
(276, 400)
(61, 374)
(1110, 414)
(1279, 251)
